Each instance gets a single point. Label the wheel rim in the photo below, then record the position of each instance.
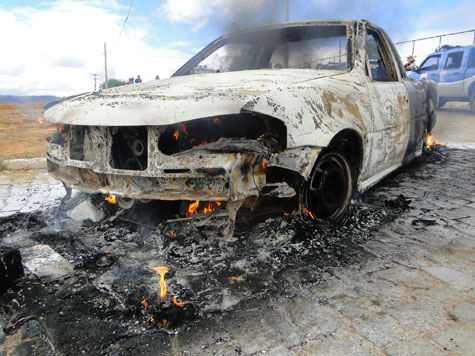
(329, 190)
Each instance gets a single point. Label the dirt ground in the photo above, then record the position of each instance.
(21, 133)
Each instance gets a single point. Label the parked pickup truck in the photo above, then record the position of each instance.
(310, 111)
(453, 68)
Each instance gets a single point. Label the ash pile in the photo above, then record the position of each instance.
(134, 274)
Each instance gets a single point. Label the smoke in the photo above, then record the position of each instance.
(237, 15)
(224, 15)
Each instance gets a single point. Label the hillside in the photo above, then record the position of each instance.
(21, 134)
(27, 99)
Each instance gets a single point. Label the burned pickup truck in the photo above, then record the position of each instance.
(312, 110)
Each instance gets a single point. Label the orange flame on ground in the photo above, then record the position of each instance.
(176, 134)
(194, 208)
(292, 213)
(111, 199)
(172, 233)
(309, 213)
(40, 120)
(152, 319)
(177, 303)
(144, 303)
(264, 166)
(432, 142)
(237, 279)
(163, 286)
(164, 321)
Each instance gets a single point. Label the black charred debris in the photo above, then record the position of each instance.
(110, 293)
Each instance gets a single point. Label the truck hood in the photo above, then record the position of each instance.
(162, 102)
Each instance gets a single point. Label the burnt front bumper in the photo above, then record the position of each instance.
(198, 174)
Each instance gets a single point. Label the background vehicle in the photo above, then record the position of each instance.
(453, 68)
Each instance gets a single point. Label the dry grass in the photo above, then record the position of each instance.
(21, 135)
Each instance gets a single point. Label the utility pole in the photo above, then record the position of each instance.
(95, 80)
(286, 10)
(286, 45)
(106, 84)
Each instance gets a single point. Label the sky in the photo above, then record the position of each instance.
(54, 47)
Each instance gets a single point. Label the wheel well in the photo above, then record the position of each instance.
(471, 89)
(350, 144)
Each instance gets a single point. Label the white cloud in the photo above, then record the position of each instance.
(54, 48)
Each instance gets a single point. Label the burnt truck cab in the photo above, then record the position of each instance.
(312, 109)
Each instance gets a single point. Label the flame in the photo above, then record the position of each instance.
(40, 120)
(178, 304)
(432, 142)
(144, 303)
(237, 279)
(164, 321)
(111, 199)
(163, 286)
(195, 208)
(173, 233)
(176, 134)
(192, 208)
(264, 166)
(217, 121)
(309, 213)
(183, 129)
(152, 319)
(292, 213)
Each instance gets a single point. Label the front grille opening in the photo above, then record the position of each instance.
(176, 171)
(76, 142)
(188, 135)
(129, 148)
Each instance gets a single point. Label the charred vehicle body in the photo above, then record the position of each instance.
(313, 110)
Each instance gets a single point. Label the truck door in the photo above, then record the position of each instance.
(451, 77)
(389, 101)
(469, 76)
(429, 69)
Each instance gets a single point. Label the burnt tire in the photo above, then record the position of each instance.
(472, 102)
(327, 194)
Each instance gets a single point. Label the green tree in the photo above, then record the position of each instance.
(113, 83)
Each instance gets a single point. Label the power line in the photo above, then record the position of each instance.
(123, 27)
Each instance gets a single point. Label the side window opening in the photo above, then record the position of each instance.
(378, 63)
(454, 60)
